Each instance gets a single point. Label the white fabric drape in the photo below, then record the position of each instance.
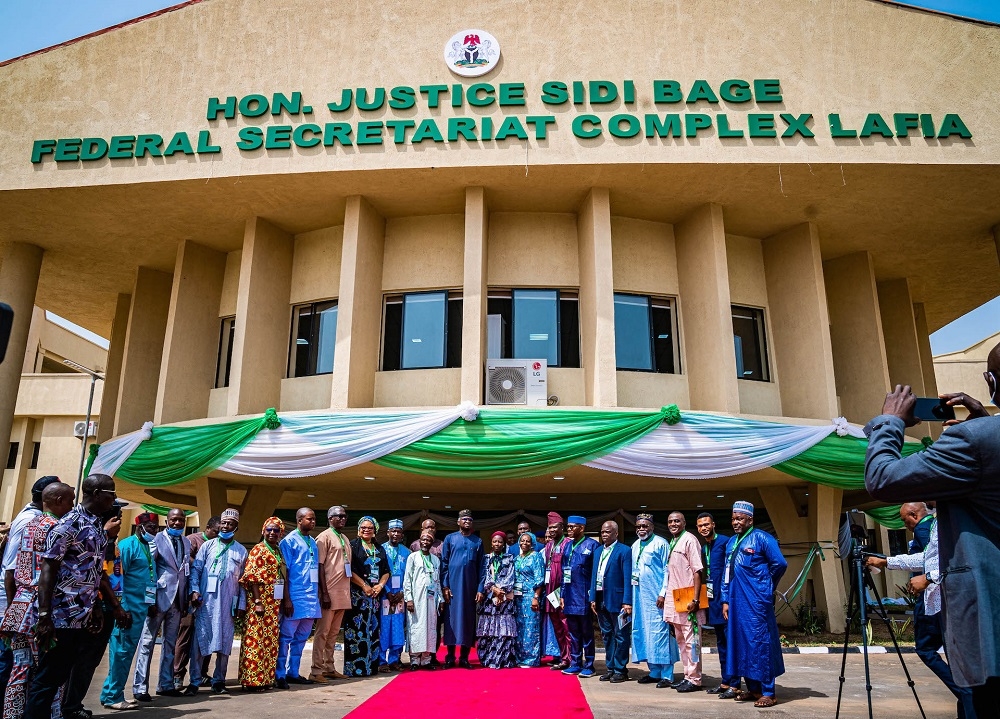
(309, 445)
(704, 446)
(114, 452)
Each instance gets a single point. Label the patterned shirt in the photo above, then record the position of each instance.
(22, 614)
(78, 543)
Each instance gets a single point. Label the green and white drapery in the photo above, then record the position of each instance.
(473, 443)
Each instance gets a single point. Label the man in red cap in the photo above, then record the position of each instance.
(553, 555)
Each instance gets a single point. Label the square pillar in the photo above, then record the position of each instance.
(474, 294)
(706, 310)
(859, 360)
(597, 299)
(259, 503)
(15, 481)
(825, 507)
(191, 345)
(211, 498)
(143, 350)
(359, 313)
(260, 342)
(113, 373)
(902, 349)
(800, 325)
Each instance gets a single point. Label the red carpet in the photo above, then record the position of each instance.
(480, 694)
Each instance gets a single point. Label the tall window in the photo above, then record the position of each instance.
(225, 363)
(36, 448)
(645, 334)
(314, 339)
(422, 330)
(537, 324)
(12, 455)
(751, 344)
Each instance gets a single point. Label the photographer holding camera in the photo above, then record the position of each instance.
(961, 471)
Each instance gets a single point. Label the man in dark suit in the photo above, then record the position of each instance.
(961, 470)
(714, 549)
(611, 595)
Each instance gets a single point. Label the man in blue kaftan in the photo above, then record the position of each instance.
(392, 634)
(753, 567)
(461, 560)
(653, 639)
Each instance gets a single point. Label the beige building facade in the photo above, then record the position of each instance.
(778, 190)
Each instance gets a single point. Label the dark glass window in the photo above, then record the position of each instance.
(314, 339)
(645, 336)
(226, 336)
(422, 330)
(751, 344)
(12, 455)
(36, 447)
(537, 324)
(897, 542)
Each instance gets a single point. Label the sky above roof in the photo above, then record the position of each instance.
(29, 26)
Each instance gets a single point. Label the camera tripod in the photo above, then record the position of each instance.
(861, 579)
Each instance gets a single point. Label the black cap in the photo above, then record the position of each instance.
(40, 485)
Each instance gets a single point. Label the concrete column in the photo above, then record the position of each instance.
(258, 504)
(800, 324)
(597, 299)
(859, 361)
(143, 351)
(706, 311)
(15, 481)
(926, 366)
(20, 265)
(191, 345)
(32, 362)
(902, 348)
(825, 506)
(260, 343)
(793, 534)
(359, 313)
(211, 498)
(474, 294)
(113, 373)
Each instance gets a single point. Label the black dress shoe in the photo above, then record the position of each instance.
(449, 662)
(431, 667)
(687, 686)
(560, 666)
(464, 664)
(143, 698)
(647, 680)
(170, 693)
(281, 683)
(730, 693)
(607, 677)
(298, 680)
(219, 688)
(190, 690)
(674, 685)
(619, 678)
(664, 684)
(717, 690)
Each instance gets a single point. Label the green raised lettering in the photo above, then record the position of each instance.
(346, 99)
(593, 129)
(511, 93)
(694, 121)
(722, 121)
(148, 145)
(875, 124)
(628, 96)
(361, 98)
(426, 130)
(41, 148)
(767, 90)
(300, 139)
(540, 123)
(579, 94)
(253, 105)
(837, 129)
(433, 93)
(511, 126)
(701, 90)
(667, 91)
(227, 108)
(339, 131)
(761, 125)
(474, 98)
(251, 138)
(93, 148)
(205, 146)
(952, 125)
(602, 92)
(67, 149)
(736, 91)
(487, 131)
(669, 126)
(927, 126)
(632, 126)
(278, 137)
(399, 128)
(796, 125)
(457, 96)
(461, 126)
(554, 93)
(121, 147)
(180, 142)
(280, 102)
(904, 122)
(402, 98)
(369, 133)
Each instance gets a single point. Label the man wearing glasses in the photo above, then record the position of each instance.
(961, 470)
(334, 593)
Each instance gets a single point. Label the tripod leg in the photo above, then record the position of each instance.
(884, 616)
(859, 578)
(851, 612)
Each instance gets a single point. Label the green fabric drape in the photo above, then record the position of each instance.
(179, 454)
(509, 444)
(836, 462)
(888, 517)
(162, 511)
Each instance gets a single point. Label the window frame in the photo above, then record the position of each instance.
(562, 294)
(670, 304)
(226, 339)
(293, 326)
(764, 349)
(450, 295)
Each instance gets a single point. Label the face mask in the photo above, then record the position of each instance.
(226, 536)
(148, 538)
(175, 532)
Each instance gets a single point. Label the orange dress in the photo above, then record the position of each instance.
(259, 645)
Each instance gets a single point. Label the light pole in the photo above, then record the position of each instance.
(94, 376)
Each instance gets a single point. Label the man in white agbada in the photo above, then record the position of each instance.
(215, 589)
(652, 638)
(423, 597)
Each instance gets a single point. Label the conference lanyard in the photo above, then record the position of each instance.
(731, 559)
(494, 567)
(149, 559)
(277, 555)
(603, 561)
(428, 563)
(706, 552)
(673, 543)
(223, 551)
(311, 544)
(642, 548)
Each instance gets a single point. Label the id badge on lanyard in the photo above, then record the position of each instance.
(567, 575)
(279, 590)
(150, 597)
(518, 589)
(635, 577)
(314, 575)
(710, 590)
(212, 586)
(395, 583)
(548, 576)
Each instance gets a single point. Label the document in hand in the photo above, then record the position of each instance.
(624, 619)
(685, 595)
(554, 597)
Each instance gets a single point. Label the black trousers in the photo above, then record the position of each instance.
(86, 664)
(984, 698)
(616, 641)
(54, 668)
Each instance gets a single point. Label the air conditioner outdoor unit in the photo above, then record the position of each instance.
(516, 382)
(81, 426)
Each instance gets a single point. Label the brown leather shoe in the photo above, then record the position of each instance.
(318, 678)
(333, 674)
